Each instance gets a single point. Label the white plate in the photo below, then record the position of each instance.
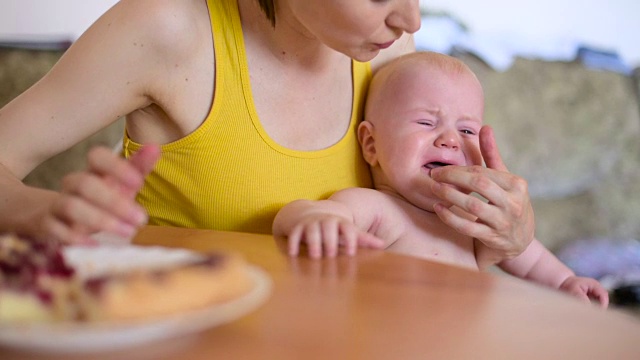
(85, 337)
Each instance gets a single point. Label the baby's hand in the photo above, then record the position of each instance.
(324, 233)
(587, 289)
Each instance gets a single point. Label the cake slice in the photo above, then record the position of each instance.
(143, 294)
(37, 284)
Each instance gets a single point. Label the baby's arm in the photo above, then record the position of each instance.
(539, 265)
(324, 226)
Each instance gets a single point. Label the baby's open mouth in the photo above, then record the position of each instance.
(435, 164)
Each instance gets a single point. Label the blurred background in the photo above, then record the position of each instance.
(562, 84)
(612, 25)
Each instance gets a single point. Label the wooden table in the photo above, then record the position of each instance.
(379, 305)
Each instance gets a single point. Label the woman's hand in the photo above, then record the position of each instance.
(100, 198)
(504, 224)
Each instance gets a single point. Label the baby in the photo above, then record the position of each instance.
(424, 111)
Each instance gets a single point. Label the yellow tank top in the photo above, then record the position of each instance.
(229, 174)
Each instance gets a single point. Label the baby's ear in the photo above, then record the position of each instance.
(367, 142)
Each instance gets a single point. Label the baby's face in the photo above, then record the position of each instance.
(425, 119)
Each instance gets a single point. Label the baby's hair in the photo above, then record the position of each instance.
(443, 62)
(446, 63)
(269, 10)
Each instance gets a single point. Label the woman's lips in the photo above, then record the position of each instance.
(385, 45)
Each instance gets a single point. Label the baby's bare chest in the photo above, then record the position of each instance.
(429, 238)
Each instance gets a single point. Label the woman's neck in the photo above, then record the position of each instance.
(288, 42)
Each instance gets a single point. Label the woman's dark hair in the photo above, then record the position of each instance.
(269, 10)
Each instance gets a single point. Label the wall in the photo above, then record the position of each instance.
(42, 19)
(609, 24)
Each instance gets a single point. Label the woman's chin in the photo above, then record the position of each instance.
(364, 55)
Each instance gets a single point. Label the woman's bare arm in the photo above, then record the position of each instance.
(112, 70)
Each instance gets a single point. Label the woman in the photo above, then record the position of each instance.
(253, 103)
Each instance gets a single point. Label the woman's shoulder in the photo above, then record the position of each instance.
(172, 27)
